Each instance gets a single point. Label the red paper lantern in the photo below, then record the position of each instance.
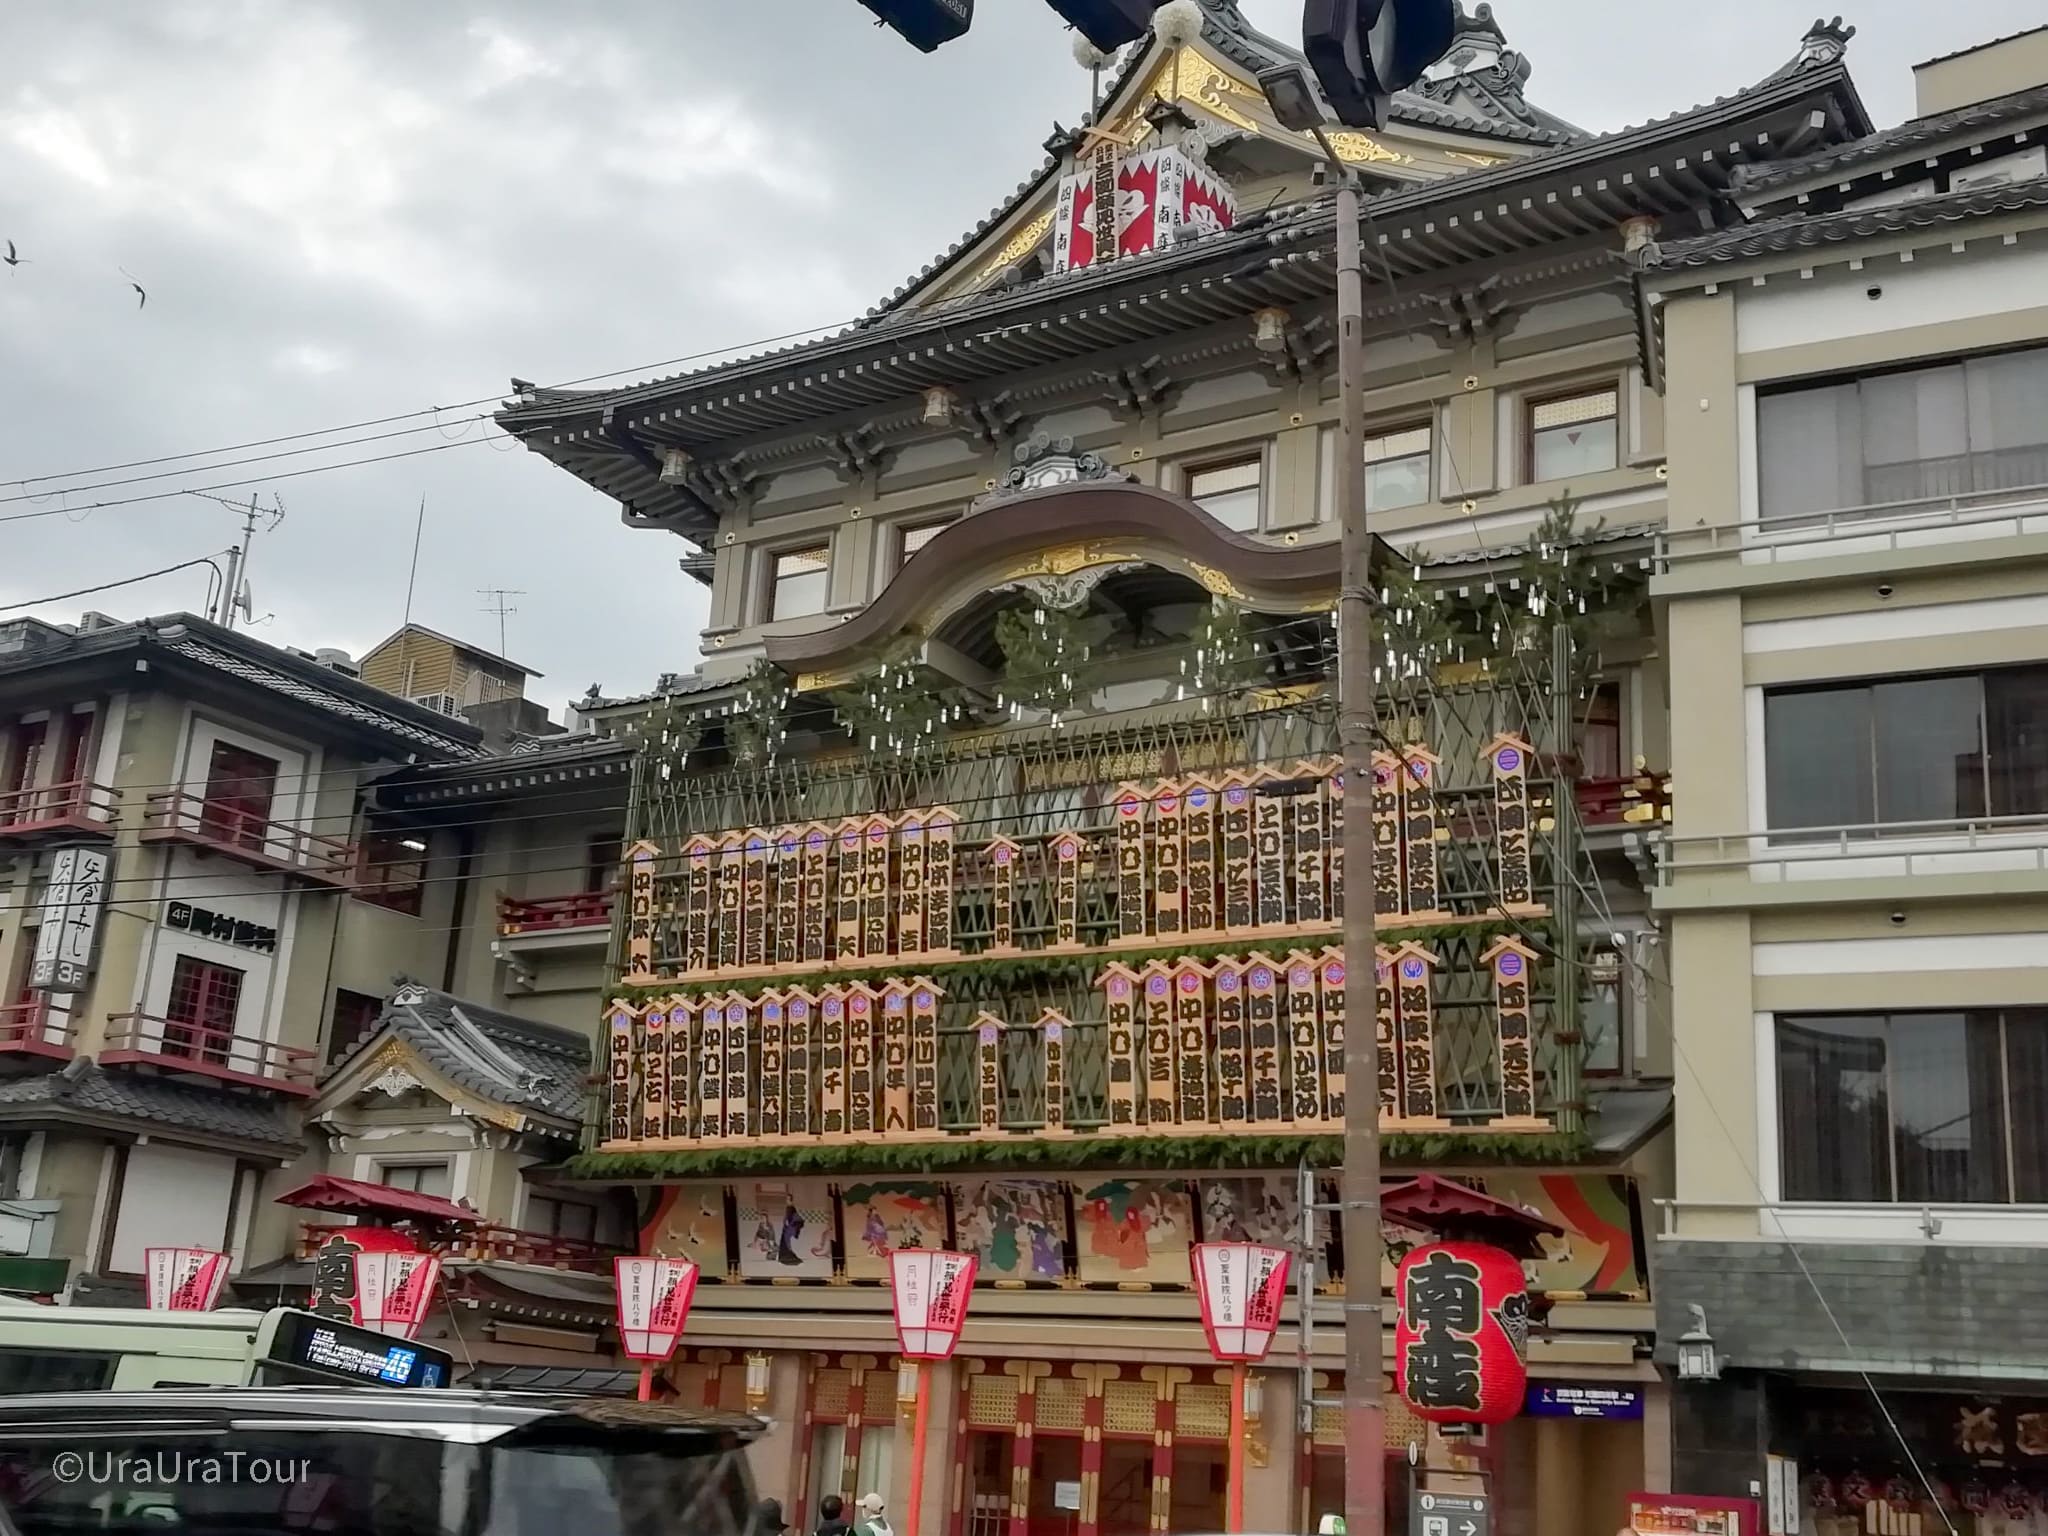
(1463, 1320)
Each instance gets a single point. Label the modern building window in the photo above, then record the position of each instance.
(1230, 492)
(1917, 434)
(24, 756)
(355, 1017)
(1578, 434)
(394, 868)
(914, 538)
(801, 582)
(1957, 747)
(561, 1218)
(200, 1015)
(1397, 469)
(1914, 1107)
(241, 787)
(420, 1178)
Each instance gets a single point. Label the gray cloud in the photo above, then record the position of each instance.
(357, 208)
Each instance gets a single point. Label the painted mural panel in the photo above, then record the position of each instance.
(1597, 1254)
(883, 1217)
(1016, 1227)
(1135, 1230)
(1252, 1208)
(689, 1223)
(785, 1229)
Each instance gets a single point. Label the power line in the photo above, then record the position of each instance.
(108, 586)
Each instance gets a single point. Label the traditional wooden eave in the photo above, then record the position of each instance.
(1056, 533)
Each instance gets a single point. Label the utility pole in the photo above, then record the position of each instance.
(495, 602)
(238, 557)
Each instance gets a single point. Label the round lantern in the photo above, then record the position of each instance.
(1463, 1320)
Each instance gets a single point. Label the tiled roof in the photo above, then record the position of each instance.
(1943, 58)
(85, 1088)
(1800, 231)
(1921, 132)
(518, 1063)
(325, 698)
(546, 760)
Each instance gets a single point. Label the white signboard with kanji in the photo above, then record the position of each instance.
(930, 1290)
(1241, 1287)
(654, 1303)
(393, 1290)
(184, 1279)
(70, 920)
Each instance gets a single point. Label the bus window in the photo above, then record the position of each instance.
(45, 1370)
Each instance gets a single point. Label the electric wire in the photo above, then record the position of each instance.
(108, 586)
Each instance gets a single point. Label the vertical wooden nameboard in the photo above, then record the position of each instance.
(1240, 900)
(1333, 819)
(1269, 854)
(739, 1067)
(1198, 859)
(711, 1071)
(1237, 1063)
(846, 877)
(640, 913)
(754, 908)
(1130, 861)
(1509, 758)
(654, 1073)
(682, 1068)
(1387, 1034)
(1422, 830)
(1305, 1038)
(817, 893)
(621, 1034)
(860, 1060)
(1191, 1043)
(874, 887)
(940, 834)
(1003, 857)
(1386, 835)
(1330, 990)
(832, 1063)
(773, 1029)
(1120, 987)
(910, 891)
(988, 1073)
(1415, 980)
(1157, 989)
(1169, 886)
(1065, 851)
(700, 903)
(1312, 848)
(1514, 969)
(924, 1057)
(895, 1058)
(1267, 1028)
(1053, 1030)
(798, 1077)
(731, 920)
(786, 887)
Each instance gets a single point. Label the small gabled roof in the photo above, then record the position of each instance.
(1866, 154)
(463, 646)
(139, 1103)
(518, 1064)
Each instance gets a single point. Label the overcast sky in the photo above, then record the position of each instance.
(358, 208)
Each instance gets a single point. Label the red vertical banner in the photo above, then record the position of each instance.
(1514, 975)
(1415, 981)
(940, 832)
(849, 844)
(772, 1025)
(895, 1058)
(731, 921)
(739, 1035)
(1198, 856)
(786, 893)
(988, 1074)
(1120, 990)
(1240, 898)
(816, 891)
(861, 1083)
(1169, 888)
(1191, 1043)
(653, 1055)
(1304, 1040)
(711, 1070)
(1065, 851)
(1269, 851)
(1239, 1088)
(682, 1068)
(832, 1062)
(700, 903)
(622, 1029)
(875, 899)
(1386, 835)
(1330, 992)
(1158, 1036)
(1311, 849)
(924, 1057)
(1053, 1031)
(754, 904)
(1131, 839)
(910, 887)
(799, 1074)
(1003, 858)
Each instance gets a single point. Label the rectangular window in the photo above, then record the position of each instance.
(1943, 749)
(561, 1218)
(1397, 469)
(601, 863)
(801, 583)
(394, 868)
(1917, 434)
(355, 1018)
(1231, 492)
(25, 755)
(420, 1178)
(200, 1015)
(1912, 1108)
(240, 789)
(1574, 435)
(911, 540)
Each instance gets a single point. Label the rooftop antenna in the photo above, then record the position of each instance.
(234, 591)
(495, 602)
(405, 624)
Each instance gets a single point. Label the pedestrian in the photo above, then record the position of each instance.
(873, 1522)
(832, 1517)
(768, 1520)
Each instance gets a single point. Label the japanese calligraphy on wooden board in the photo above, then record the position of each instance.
(894, 1055)
(1422, 829)
(800, 1019)
(1169, 806)
(786, 892)
(817, 891)
(1387, 1033)
(940, 832)
(1330, 993)
(710, 1070)
(1066, 850)
(640, 912)
(1131, 840)
(653, 1051)
(772, 1028)
(1003, 858)
(1387, 889)
(682, 1067)
(754, 907)
(1198, 856)
(1055, 1031)
(1415, 989)
(1240, 897)
(1270, 855)
(1120, 992)
(1514, 972)
(846, 881)
(1265, 1023)
(910, 885)
(739, 1034)
(1158, 1037)
(1191, 1043)
(832, 1062)
(1311, 851)
(874, 887)
(1509, 759)
(622, 1025)
(1334, 821)
(1236, 1091)
(731, 882)
(1304, 1049)
(924, 1056)
(988, 1073)
(700, 902)
(861, 1081)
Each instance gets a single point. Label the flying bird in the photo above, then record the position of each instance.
(12, 259)
(141, 298)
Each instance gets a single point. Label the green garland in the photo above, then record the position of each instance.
(754, 719)
(1048, 661)
(897, 711)
(1227, 656)
(1161, 1154)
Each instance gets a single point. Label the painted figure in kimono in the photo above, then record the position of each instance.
(792, 1229)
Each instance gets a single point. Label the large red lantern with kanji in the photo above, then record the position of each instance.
(1459, 1337)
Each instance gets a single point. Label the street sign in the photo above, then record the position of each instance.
(1450, 1514)
(1557, 1400)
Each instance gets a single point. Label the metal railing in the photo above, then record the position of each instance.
(1890, 525)
(1913, 844)
(554, 914)
(1929, 1216)
(216, 1053)
(192, 818)
(78, 803)
(27, 1027)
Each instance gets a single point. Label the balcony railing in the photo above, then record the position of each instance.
(219, 1054)
(1864, 849)
(57, 810)
(28, 1028)
(184, 817)
(585, 911)
(1879, 527)
(484, 1244)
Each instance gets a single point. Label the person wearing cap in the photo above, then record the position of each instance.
(872, 1521)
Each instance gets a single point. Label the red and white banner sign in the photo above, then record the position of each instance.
(184, 1279)
(394, 1290)
(654, 1303)
(1241, 1286)
(930, 1290)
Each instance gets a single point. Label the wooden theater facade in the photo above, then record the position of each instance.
(984, 883)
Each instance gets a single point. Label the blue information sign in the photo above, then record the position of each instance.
(1556, 1400)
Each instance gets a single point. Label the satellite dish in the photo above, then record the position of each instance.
(246, 601)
